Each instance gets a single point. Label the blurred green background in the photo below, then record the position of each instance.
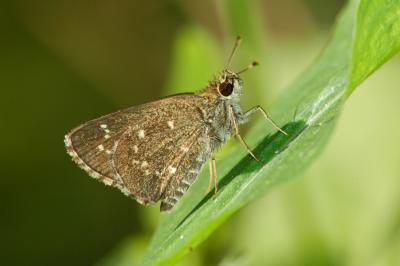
(65, 62)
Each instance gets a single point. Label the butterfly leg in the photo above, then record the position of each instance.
(215, 176)
(266, 116)
(210, 184)
(237, 134)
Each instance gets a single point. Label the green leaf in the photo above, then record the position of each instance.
(377, 37)
(307, 110)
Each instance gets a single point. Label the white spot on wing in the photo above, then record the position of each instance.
(67, 141)
(141, 134)
(147, 172)
(108, 152)
(170, 124)
(103, 126)
(100, 147)
(172, 170)
(135, 149)
(107, 181)
(144, 164)
(106, 136)
(184, 149)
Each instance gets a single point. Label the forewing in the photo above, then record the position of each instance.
(131, 148)
(147, 156)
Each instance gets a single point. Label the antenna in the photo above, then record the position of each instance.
(237, 43)
(253, 64)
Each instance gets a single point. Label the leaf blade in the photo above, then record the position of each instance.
(378, 28)
(316, 97)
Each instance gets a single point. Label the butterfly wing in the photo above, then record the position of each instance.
(91, 145)
(148, 176)
(140, 150)
(194, 153)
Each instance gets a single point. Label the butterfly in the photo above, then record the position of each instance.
(154, 152)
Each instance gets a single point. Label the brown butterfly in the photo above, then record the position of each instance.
(154, 152)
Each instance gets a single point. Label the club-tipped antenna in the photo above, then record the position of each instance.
(237, 43)
(253, 64)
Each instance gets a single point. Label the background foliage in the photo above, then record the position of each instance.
(66, 62)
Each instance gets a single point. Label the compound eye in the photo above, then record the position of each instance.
(225, 89)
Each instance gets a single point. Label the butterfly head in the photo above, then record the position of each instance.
(229, 85)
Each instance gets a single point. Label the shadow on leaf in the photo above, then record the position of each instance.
(270, 146)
